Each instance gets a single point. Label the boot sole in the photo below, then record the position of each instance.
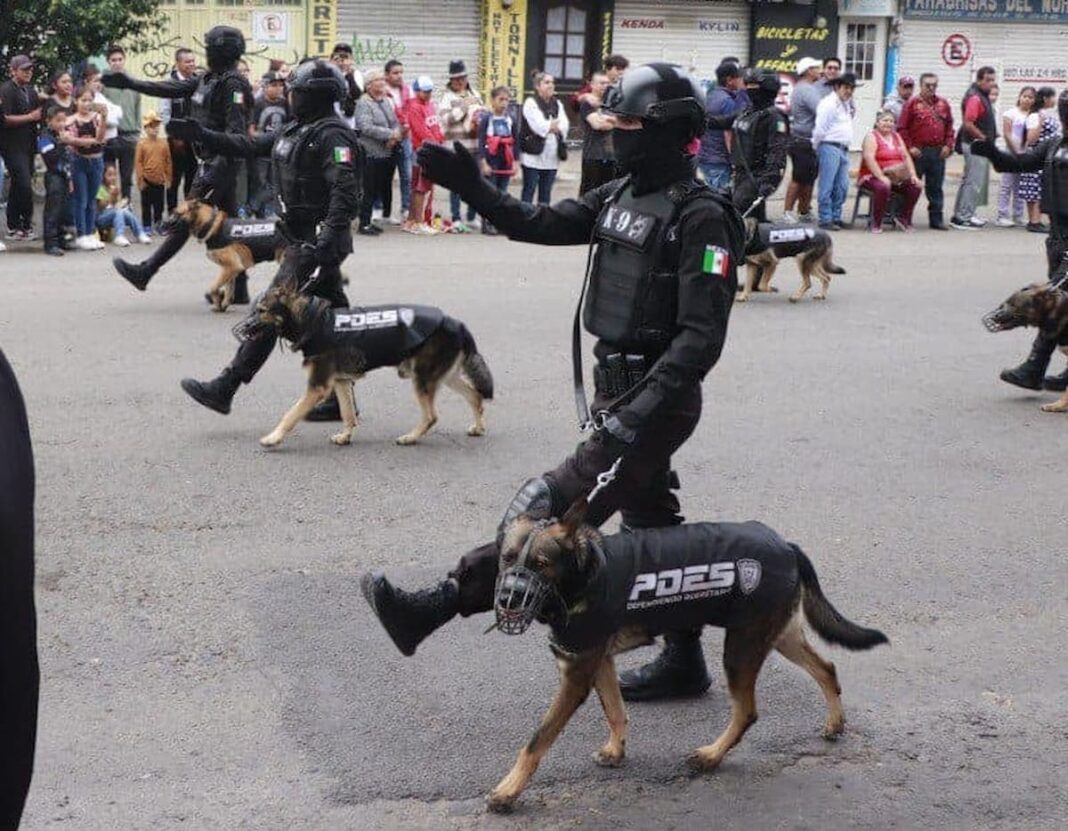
(194, 393)
(692, 690)
(369, 586)
(1008, 379)
(121, 266)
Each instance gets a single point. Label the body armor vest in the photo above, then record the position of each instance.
(296, 169)
(203, 104)
(1055, 190)
(682, 577)
(787, 240)
(260, 236)
(385, 335)
(633, 294)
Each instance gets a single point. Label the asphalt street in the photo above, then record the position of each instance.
(208, 661)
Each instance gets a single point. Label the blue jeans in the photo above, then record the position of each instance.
(454, 205)
(540, 180)
(120, 219)
(87, 175)
(403, 155)
(716, 174)
(834, 181)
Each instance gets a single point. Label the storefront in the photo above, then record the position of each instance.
(1026, 41)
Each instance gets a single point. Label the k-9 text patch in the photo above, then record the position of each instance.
(717, 261)
(627, 226)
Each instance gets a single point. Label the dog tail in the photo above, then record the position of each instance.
(827, 620)
(834, 268)
(475, 367)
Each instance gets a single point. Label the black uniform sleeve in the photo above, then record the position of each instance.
(1030, 160)
(236, 144)
(342, 164)
(771, 169)
(172, 88)
(568, 222)
(712, 242)
(237, 95)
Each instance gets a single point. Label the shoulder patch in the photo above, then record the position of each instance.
(717, 261)
(780, 125)
(238, 97)
(343, 155)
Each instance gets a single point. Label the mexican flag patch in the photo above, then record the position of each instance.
(780, 126)
(717, 261)
(239, 98)
(342, 155)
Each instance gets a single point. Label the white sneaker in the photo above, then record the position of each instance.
(82, 243)
(3, 247)
(376, 214)
(790, 217)
(977, 221)
(144, 239)
(121, 241)
(393, 220)
(96, 243)
(806, 218)
(1005, 222)
(475, 224)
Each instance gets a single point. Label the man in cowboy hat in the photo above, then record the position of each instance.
(458, 112)
(831, 136)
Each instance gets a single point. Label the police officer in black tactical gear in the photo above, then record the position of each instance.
(316, 171)
(1051, 157)
(219, 100)
(661, 285)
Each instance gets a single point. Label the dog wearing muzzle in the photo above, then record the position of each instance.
(1043, 305)
(602, 595)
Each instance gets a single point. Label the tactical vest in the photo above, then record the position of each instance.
(1055, 190)
(386, 335)
(204, 107)
(633, 295)
(682, 577)
(787, 240)
(259, 235)
(296, 170)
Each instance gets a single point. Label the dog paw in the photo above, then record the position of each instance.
(407, 440)
(794, 298)
(742, 298)
(499, 803)
(476, 430)
(819, 297)
(608, 759)
(271, 440)
(341, 439)
(1055, 407)
(701, 762)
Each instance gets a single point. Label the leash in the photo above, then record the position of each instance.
(604, 479)
(753, 207)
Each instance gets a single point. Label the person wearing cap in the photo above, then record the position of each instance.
(20, 112)
(269, 113)
(714, 158)
(459, 110)
(831, 135)
(895, 103)
(153, 170)
(424, 122)
(804, 165)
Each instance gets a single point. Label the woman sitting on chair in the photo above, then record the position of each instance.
(885, 168)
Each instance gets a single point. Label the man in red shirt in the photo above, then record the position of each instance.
(978, 124)
(423, 121)
(926, 125)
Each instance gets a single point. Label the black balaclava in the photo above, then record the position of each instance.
(223, 46)
(764, 93)
(1062, 109)
(311, 104)
(655, 155)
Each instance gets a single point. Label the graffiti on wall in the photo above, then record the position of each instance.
(376, 50)
(158, 59)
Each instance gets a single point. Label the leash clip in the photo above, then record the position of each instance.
(595, 422)
(604, 479)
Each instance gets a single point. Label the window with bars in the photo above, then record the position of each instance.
(860, 45)
(565, 42)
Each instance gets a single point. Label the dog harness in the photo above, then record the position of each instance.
(386, 335)
(682, 577)
(260, 235)
(784, 239)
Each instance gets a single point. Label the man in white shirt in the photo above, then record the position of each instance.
(832, 135)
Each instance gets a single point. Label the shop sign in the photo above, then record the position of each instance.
(868, 8)
(782, 34)
(1019, 11)
(718, 26)
(641, 23)
(1031, 74)
(322, 27)
(504, 45)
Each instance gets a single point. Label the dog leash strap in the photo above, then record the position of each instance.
(604, 479)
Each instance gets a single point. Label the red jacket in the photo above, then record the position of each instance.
(925, 125)
(423, 119)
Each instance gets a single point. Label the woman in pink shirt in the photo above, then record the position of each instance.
(886, 167)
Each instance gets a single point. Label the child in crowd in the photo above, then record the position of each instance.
(422, 116)
(152, 170)
(496, 144)
(86, 134)
(58, 183)
(114, 211)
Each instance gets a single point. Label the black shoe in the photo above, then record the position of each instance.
(368, 231)
(1037, 227)
(827, 226)
(408, 617)
(215, 394)
(134, 273)
(489, 230)
(679, 671)
(326, 410)
(54, 251)
(938, 225)
(1056, 383)
(241, 297)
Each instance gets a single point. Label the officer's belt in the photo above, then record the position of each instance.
(618, 373)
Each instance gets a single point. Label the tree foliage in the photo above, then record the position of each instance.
(60, 33)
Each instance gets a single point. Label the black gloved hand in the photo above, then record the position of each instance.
(984, 148)
(185, 129)
(115, 80)
(326, 251)
(455, 169)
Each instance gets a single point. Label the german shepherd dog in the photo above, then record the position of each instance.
(557, 571)
(234, 245)
(813, 248)
(1042, 305)
(429, 347)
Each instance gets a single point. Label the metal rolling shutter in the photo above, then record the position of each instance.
(424, 37)
(997, 44)
(697, 34)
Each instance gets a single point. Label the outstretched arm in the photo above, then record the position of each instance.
(172, 88)
(1030, 160)
(225, 144)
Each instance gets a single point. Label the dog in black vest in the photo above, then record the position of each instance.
(341, 345)
(605, 595)
(769, 243)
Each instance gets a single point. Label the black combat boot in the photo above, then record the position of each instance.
(138, 274)
(241, 297)
(679, 671)
(215, 394)
(1056, 383)
(408, 617)
(1029, 374)
(326, 410)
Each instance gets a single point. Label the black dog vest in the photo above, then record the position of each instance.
(786, 240)
(260, 235)
(683, 577)
(386, 335)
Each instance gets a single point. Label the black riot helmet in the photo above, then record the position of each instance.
(762, 86)
(314, 87)
(223, 45)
